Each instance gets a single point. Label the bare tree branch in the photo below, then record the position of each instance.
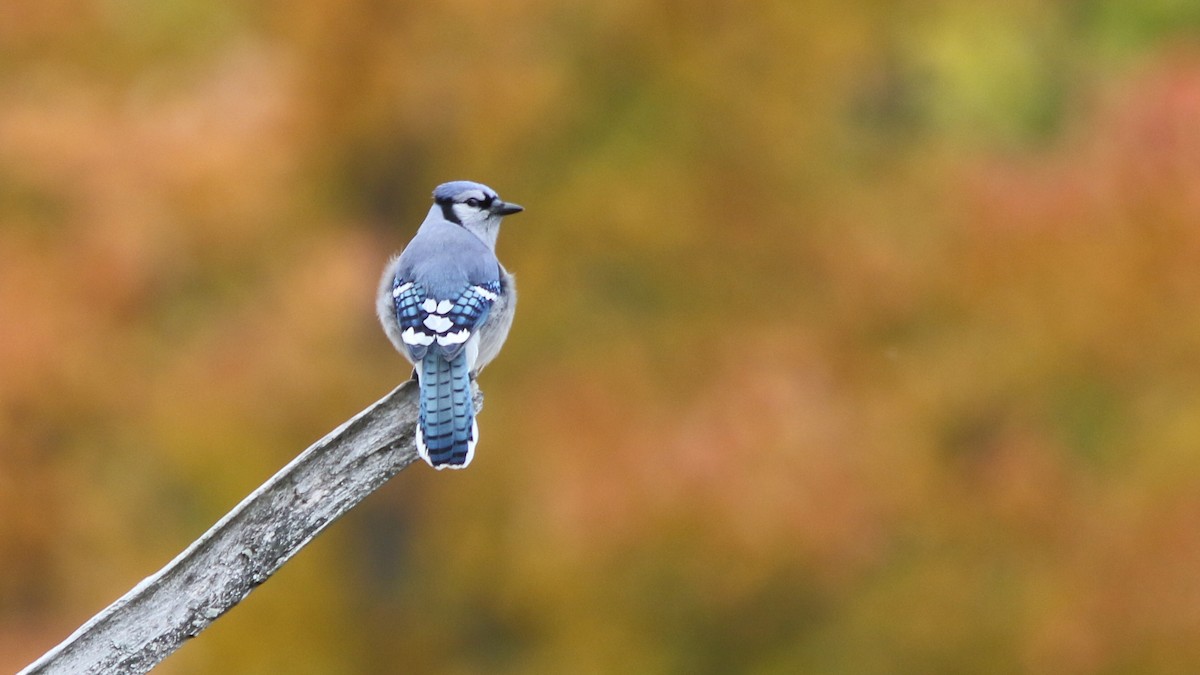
(244, 548)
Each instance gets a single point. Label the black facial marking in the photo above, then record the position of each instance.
(480, 203)
(448, 211)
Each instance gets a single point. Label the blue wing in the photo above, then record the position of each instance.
(443, 324)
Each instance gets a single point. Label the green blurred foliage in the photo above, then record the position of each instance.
(854, 337)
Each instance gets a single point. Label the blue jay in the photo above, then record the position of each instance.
(447, 303)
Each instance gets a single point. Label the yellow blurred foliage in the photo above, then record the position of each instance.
(854, 337)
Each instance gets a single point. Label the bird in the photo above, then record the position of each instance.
(446, 304)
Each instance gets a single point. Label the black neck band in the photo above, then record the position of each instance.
(448, 211)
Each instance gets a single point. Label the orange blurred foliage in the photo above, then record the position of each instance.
(854, 337)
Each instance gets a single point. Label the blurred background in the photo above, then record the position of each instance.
(855, 336)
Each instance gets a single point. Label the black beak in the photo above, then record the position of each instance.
(505, 208)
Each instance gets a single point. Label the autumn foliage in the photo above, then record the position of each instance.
(853, 336)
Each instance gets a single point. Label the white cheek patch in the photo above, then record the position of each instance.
(454, 338)
(412, 337)
(401, 289)
(438, 324)
(491, 297)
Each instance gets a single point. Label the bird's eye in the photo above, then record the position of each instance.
(473, 202)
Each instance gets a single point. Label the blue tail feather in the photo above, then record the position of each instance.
(446, 431)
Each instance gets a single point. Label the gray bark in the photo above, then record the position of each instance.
(247, 546)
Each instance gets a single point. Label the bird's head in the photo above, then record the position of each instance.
(475, 206)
